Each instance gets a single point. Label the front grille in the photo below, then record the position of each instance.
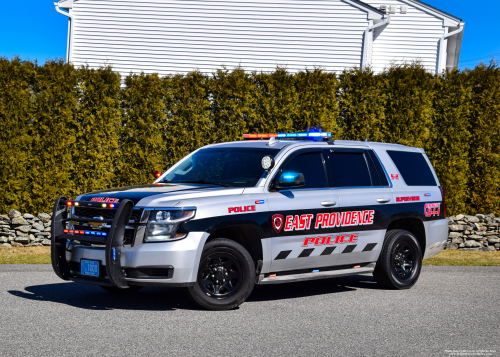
(90, 212)
(127, 238)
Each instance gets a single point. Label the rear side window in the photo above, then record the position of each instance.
(380, 171)
(413, 168)
(350, 169)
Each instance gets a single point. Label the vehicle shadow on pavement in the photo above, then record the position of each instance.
(313, 287)
(92, 297)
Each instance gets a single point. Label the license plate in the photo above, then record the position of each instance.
(89, 267)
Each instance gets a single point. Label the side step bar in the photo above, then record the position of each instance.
(314, 276)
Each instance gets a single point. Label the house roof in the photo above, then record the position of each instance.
(373, 12)
(368, 7)
(435, 11)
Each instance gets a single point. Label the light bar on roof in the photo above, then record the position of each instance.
(313, 135)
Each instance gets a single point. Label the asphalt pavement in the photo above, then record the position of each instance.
(451, 311)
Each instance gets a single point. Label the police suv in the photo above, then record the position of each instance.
(232, 215)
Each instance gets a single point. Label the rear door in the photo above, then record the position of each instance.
(297, 243)
(366, 201)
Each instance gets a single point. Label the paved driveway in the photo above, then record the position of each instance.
(450, 309)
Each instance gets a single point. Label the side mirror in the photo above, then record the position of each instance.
(291, 179)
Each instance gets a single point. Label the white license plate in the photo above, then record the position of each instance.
(89, 267)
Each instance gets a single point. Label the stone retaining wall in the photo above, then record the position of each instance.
(479, 232)
(24, 230)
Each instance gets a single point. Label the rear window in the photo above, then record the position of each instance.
(413, 168)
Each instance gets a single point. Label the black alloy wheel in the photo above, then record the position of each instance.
(402, 258)
(226, 276)
(220, 274)
(400, 262)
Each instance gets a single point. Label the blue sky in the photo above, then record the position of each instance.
(36, 31)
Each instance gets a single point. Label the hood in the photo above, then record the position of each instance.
(160, 191)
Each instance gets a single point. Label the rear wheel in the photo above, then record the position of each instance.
(400, 261)
(226, 276)
(114, 289)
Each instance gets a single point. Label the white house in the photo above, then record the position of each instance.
(178, 36)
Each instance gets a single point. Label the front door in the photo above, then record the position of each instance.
(366, 200)
(298, 241)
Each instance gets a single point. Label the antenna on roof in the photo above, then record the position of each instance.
(272, 141)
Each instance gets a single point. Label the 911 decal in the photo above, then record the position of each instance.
(328, 220)
(432, 209)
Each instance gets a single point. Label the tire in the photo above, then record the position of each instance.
(113, 289)
(226, 260)
(400, 261)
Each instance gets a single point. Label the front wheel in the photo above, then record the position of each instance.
(400, 261)
(226, 276)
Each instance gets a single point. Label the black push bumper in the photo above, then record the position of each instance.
(113, 241)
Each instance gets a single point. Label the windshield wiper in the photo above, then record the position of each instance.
(204, 182)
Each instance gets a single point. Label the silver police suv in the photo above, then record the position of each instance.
(232, 215)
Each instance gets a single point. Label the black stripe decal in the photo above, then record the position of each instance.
(306, 252)
(283, 255)
(349, 248)
(328, 251)
(369, 247)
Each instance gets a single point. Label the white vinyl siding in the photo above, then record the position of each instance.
(170, 36)
(411, 36)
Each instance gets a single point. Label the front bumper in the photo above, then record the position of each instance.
(167, 263)
(182, 256)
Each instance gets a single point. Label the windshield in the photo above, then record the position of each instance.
(234, 167)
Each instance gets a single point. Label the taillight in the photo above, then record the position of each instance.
(444, 201)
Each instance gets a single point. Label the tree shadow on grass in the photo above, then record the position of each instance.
(92, 297)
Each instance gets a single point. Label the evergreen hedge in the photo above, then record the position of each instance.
(66, 130)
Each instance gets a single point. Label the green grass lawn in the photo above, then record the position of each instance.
(25, 255)
(41, 255)
(465, 258)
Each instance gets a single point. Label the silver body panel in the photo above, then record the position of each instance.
(184, 255)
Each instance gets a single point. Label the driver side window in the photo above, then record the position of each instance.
(310, 164)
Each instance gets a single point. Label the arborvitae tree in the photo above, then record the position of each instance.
(484, 149)
(277, 101)
(189, 126)
(142, 150)
(98, 116)
(362, 103)
(63, 131)
(16, 78)
(448, 149)
(233, 102)
(317, 103)
(53, 133)
(408, 113)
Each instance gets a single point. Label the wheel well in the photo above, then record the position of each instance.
(248, 237)
(413, 225)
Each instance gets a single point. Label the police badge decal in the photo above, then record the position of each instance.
(278, 220)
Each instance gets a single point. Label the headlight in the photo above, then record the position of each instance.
(163, 224)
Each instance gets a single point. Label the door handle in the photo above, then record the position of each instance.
(383, 200)
(328, 203)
